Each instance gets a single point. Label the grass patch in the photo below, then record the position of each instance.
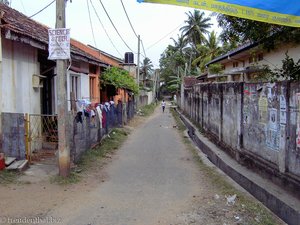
(107, 147)
(255, 212)
(71, 179)
(8, 177)
(147, 110)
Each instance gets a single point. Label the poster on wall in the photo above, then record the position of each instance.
(263, 109)
(272, 139)
(273, 119)
(59, 43)
(298, 121)
(298, 136)
(282, 110)
(282, 137)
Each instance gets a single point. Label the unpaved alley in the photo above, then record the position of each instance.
(152, 179)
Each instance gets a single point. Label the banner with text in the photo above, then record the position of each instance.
(59, 43)
(270, 11)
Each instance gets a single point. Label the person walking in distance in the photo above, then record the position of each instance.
(163, 105)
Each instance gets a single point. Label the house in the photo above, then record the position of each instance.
(24, 60)
(245, 62)
(28, 78)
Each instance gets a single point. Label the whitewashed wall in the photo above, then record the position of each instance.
(273, 58)
(18, 65)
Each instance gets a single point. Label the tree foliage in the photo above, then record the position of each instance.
(196, 26)
(146, 69)
(239, 30)
(188, 51)
(119, 78)
(207, 51)
(290, 69)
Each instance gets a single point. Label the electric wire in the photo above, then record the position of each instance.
(23, 6)
(42, 9)
(132, 27)
(164, 37)
(128, 19)
(104, 29)
(143, 49)
(115, 26)
(88, 6)
(7, 24)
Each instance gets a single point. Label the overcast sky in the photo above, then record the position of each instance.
(155, 23)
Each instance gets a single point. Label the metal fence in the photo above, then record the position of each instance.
(40, 130)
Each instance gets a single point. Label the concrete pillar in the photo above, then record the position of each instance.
(284, 123)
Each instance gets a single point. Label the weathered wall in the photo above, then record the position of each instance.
(293, 130)
(256, 121)
(84, 136)
(18, 65)
(261, 124)
(13, 131)
(231, 114)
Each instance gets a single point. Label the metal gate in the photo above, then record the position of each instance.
(39, 130)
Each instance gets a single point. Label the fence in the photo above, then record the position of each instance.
(89, 131)
(253, 121)
(25, 134)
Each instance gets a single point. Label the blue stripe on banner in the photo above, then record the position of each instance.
(291, 7)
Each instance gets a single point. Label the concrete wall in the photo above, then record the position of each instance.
(13, 135)
(146, 98)
(257, 122)
(18, 65)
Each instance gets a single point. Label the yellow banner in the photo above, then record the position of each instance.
(280, 12)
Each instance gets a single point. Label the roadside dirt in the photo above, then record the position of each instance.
(47, 202)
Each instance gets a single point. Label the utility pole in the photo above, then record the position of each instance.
(62, 105)
(182, 88)
(138, 72)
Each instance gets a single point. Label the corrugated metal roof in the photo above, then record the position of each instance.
(22, 26)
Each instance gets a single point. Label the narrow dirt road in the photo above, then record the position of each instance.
(152, 179)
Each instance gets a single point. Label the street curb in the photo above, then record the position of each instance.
(273, 197)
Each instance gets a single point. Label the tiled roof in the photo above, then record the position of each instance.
(22, 26)
(190, 81)
(110, 60)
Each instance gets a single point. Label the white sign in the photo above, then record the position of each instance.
(59, 43)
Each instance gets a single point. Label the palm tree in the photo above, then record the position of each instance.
(208, 50)
(197, 26)
(146, 69)
(180, 44)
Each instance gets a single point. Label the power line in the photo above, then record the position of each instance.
(143, 49)
(133, 28)
(87, 2)
(128, 18)
(164, 37)
(7, 24)
(115, 26)
(23, 7)
(42, 9)
(105, 29)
